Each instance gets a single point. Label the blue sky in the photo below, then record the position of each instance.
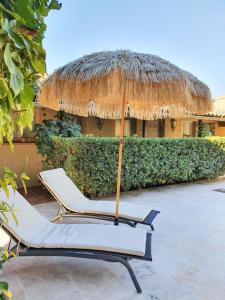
(189, 33)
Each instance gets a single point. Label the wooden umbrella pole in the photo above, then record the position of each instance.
(120, 158)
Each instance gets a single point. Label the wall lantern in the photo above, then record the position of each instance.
(100, 123)
(173, 124)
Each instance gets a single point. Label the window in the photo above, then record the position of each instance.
(154, 128)
(128, 127)
(221, 124)
(187, 128)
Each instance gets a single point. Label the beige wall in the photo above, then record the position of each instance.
(89, 126)
(152, 128)
(17, 159)
(177, 132)
(219, 131)
(42, 114)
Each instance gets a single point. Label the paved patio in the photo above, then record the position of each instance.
(188, 254)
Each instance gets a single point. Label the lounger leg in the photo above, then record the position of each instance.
(70, 253)
(130, 223)
(58, 216)
(124, 261)
(134, 224)
(152, 227)
(132, 275)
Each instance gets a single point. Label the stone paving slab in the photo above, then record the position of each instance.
(188, 248)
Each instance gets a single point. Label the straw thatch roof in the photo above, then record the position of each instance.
(95, 84)
(197, 87)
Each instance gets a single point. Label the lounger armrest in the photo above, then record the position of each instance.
(150, 217)
(148, 247)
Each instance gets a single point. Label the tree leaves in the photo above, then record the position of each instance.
(4, 291)
(24, 178)
(9, 26)
(13, 14)
(39, 65)
(16, 76)
(22, 59)
(3, 88)
(54, 5)
(27, 95)
(24, 8)
(9, 178)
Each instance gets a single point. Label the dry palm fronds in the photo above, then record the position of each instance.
(154, 88)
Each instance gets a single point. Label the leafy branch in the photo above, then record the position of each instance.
(22, 63)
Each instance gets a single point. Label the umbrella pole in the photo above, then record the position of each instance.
(120, 159)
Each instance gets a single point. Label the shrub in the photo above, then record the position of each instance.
(92, 162)
(204, 130)
(64, 126)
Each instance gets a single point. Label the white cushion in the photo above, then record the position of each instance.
(71, 197)
(63, 187)
(35, 231)
(31, 223)
(129, 211)
(112, 238)
(4, 239)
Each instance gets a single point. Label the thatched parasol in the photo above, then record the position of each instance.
(116, 84)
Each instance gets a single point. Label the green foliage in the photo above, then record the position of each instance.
(8, 178)
(4, 290)
(204, 130)
(22, 60)
(92, 162)
(22, 63)
(63, 126)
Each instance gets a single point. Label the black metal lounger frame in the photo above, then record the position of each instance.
(22, 250)
(68, 213)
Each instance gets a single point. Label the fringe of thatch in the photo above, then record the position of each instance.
(197, 87)
(154, 88)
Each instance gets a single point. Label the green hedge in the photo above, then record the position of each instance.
(92, 162)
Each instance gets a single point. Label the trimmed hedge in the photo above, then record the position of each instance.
(92, 162)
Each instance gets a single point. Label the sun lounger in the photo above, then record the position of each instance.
(36, 236)
(73, 203)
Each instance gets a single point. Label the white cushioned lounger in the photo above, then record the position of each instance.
(36, 236)
(66, 192)
(36, 231)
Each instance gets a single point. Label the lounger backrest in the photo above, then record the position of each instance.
(62, 186)
(30, 222)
